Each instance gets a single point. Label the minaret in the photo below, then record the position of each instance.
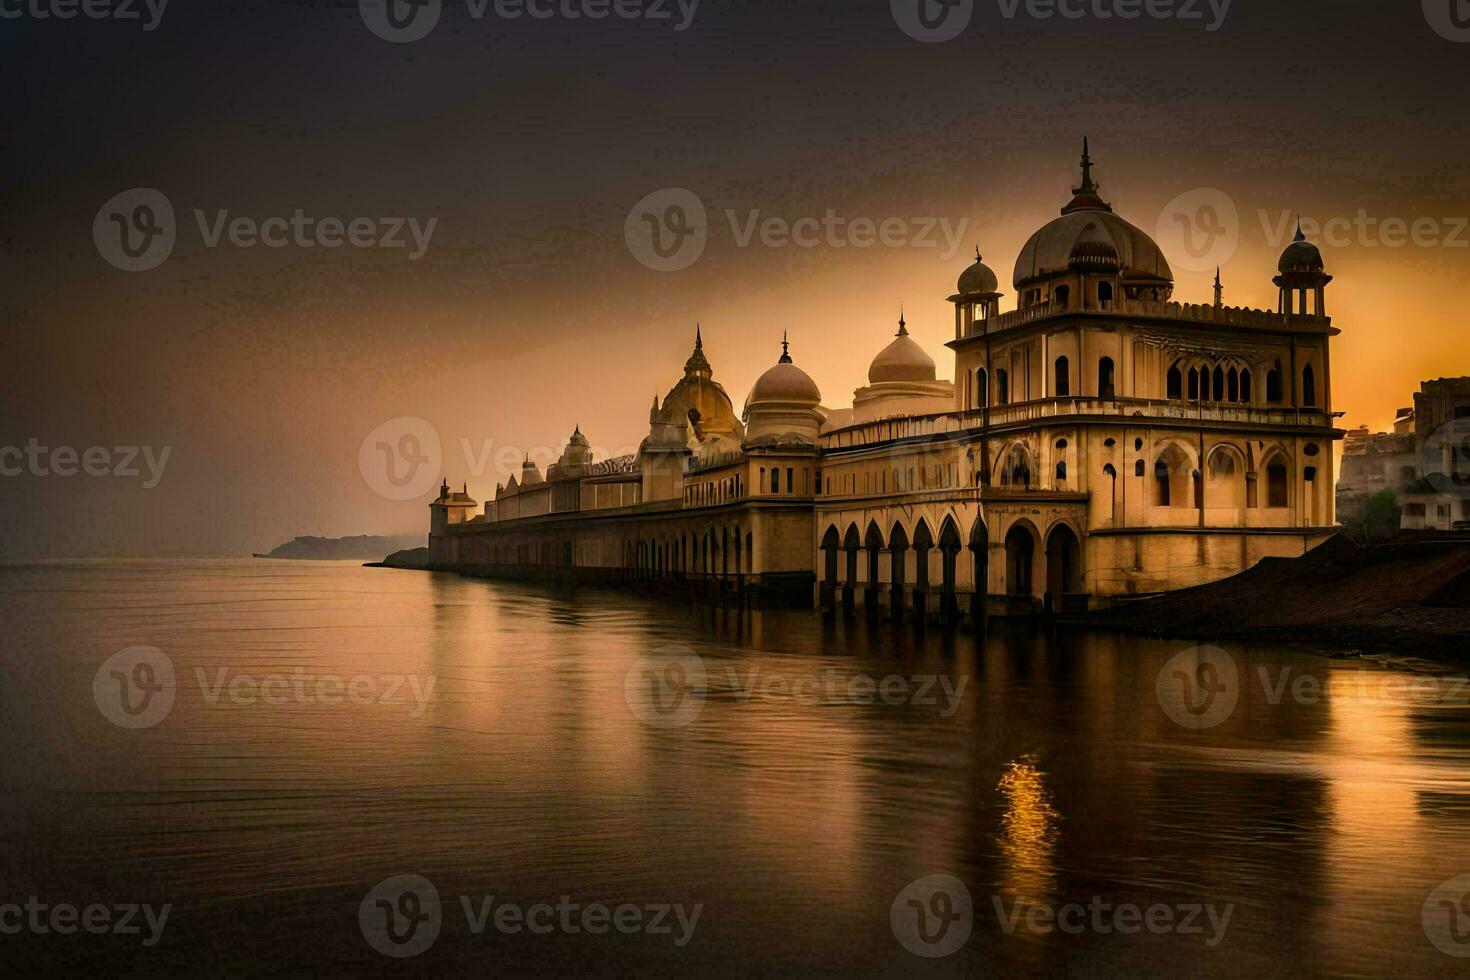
(1219, 290)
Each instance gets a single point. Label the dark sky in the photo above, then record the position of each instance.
(529, 141)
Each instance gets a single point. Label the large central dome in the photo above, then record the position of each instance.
(1049, 252)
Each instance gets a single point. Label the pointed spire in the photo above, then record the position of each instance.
(977, 254)
(785, 349)
(903, 327)
(1219, 289)
(1300, 235)
(698, 337)
(1085, 197)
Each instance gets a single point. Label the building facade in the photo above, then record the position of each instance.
(1099, 441)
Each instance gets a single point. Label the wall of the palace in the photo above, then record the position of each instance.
(760, 548)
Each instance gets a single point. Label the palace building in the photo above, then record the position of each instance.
(1100, 441)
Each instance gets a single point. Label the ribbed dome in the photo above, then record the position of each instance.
(978, 279)
(784, 382)
(1301, 256)
(902, 360)
(1094, 250)
(1050, 250)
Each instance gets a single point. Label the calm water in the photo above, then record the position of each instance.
(782, 796)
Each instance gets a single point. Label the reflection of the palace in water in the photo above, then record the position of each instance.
(801, 798)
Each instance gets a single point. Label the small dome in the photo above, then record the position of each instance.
(530, 474)
(1301, 256)
(785, 382)
(902, 360)
(1093, 250)
(978, 279)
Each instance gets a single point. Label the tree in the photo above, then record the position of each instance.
(1378, 519)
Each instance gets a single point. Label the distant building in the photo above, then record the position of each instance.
(1425, 460)
(1099, 441)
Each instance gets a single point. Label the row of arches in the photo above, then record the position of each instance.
(723, 552)
(1227, 480)
(1232, 382)
(852, 561)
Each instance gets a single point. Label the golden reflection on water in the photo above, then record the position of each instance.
(1028, 831)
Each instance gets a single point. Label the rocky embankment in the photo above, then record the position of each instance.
(1406, 598)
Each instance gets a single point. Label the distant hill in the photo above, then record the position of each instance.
(364, 546)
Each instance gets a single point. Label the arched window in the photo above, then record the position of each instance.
(1232, 385)
(1273, 385)
(1064, 378)
(1309, 387)
(1138, 467)
(982, 393)
(1245, 385)
(1002, 387)
(1193, 384)
(1105, 378)
(1276, 495)
(1219, 385)
(1174, 387)
(1063, 295)
(1161, 484)
(1104, 294)
(1061, 471)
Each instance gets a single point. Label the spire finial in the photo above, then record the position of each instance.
(785, 349)
(903, 328)
(1300, 235)
(1219, 289)
(698, 337)
(977, 253)
(1087, 184)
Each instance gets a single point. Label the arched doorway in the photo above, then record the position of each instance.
(830, 543)
(1063, 565)
(1020, 558)
(980, 559)
(874, 545)
(898, 545)
(852, 543)
(949, 549)
(923, 544)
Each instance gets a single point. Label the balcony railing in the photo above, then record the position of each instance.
(1142, 409)
(1229, 316)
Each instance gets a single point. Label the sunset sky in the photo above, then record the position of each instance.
(530, 141)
